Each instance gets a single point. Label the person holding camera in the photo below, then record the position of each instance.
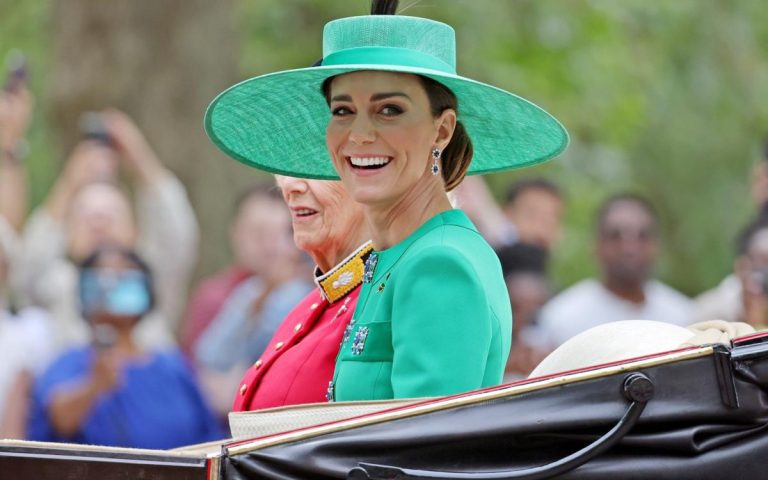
(113, 392)
(87, 209)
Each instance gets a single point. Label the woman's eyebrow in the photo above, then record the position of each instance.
(375, 97)
(382, 96)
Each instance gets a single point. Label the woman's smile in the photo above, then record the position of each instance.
(367, 165)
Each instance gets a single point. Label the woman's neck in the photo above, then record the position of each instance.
(391, 224)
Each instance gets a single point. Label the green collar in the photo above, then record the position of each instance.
(386, 259)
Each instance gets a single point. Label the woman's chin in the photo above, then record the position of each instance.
(369, 193)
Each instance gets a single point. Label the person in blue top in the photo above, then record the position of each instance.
(111, 392)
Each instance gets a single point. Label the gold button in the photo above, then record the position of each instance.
(313, 306)
(297, 327)
(279, 345)
(243, 388)
(257, 364)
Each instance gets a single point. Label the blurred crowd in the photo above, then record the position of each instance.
(101, 343)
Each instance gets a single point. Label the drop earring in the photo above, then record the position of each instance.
(435, 157)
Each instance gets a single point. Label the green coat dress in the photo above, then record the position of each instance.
(433, 318)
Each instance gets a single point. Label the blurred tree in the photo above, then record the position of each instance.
(664, 98)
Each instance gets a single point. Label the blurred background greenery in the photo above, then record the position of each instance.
(665, 98)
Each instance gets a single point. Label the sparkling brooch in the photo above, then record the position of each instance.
(348, 331)
(358, 344)
(370, 266)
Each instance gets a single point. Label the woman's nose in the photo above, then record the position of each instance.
(290, 185)
(362, 130)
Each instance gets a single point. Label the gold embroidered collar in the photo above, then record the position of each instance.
(344, 277)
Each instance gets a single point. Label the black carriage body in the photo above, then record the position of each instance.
(706, 418)
(699, 413)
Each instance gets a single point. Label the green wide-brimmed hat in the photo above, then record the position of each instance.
(276, 122)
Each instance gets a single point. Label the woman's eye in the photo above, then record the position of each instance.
(391, 110)
(340, 111)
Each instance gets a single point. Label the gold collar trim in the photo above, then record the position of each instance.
(345, 276)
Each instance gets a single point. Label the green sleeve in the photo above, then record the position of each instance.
(441, 326)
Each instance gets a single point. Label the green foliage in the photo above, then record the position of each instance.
(664, 98)
(24, 27)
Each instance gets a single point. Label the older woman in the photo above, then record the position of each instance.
(298, 363)
(434, 317)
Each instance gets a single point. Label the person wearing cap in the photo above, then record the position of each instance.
(386, 112)
(299, 360)
(113, 391)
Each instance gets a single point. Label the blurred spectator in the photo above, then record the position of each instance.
(473, 196)
(86, 210)
(246, 320)
(112, 392)
(759, 180)
(260, 217)
(532, 212)
(535, 207)
(743, 295)
(25, 342)
(739, 295)
(626, 247)
(524, 268)
(15, 116)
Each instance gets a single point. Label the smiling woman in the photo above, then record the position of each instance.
(433, 316)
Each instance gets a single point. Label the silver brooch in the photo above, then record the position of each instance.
(348, 331)
(358, 344)
(370, 266)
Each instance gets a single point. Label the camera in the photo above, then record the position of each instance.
(94, 127)
(16, 65)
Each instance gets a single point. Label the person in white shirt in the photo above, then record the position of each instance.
(87, 209)
(626, 248)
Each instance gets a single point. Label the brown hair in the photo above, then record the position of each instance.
(458, 153)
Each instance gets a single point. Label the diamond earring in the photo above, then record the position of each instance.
(435, 157)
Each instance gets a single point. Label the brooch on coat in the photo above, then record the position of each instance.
(358, 344)
(370, 266)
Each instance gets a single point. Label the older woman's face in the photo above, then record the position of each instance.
(322, 213)
(381, 134)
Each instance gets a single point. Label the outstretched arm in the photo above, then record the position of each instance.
(15, 115)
